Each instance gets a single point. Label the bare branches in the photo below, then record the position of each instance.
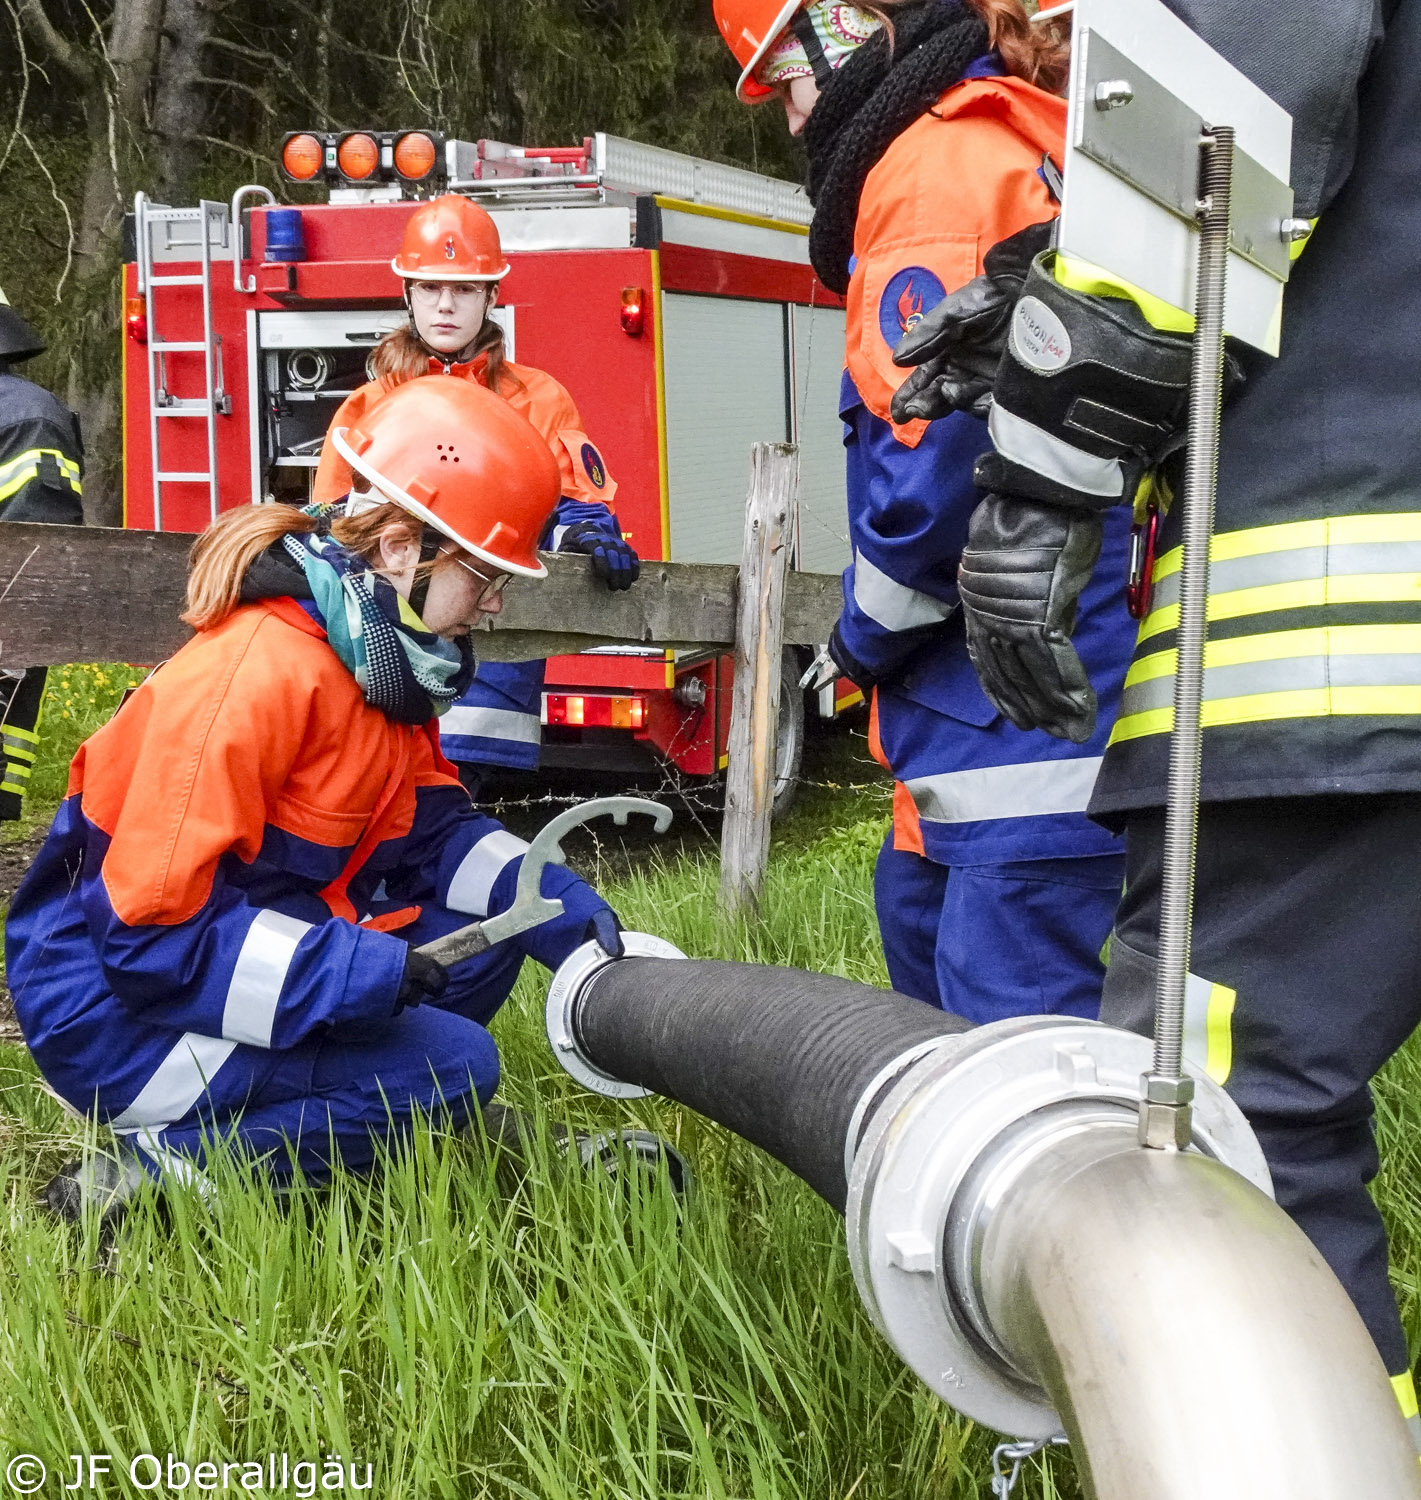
(69, 57)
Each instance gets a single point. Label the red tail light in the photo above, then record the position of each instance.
(633, 311)
(593, 711)
(135, 319)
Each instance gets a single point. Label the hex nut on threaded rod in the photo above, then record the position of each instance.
(1165, 1107)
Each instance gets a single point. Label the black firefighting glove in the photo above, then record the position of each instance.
(613, 560)
(1020, 578)
(958, 345)
(424, 979)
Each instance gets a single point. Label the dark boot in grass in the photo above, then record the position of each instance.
(615, 1152)
(94, 1183)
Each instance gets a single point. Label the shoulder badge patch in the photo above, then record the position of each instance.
(593, 466)
(910, 294)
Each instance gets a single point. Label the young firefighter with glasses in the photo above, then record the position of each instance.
(451, 262)
(219, 937)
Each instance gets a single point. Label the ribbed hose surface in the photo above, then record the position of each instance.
(779, 1056)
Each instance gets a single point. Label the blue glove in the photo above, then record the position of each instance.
(606, 931)
(613, 560)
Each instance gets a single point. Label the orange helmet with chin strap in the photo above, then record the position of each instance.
(450, 239)
(461, 460)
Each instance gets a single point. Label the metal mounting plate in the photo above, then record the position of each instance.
(1129, 190)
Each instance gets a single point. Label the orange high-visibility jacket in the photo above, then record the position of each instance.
(959, 179)
(533, 394)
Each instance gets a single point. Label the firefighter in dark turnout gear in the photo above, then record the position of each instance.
(41, 473)
(1306, 951)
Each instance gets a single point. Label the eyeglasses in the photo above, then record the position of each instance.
(492, 587)
(428, 293)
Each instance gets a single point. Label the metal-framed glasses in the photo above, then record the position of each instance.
(493, 587)
(428, 293)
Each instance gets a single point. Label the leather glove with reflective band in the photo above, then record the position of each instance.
(613, 560)
(1020, 578)
(958, 345)
(1088, 398)
(424, 979)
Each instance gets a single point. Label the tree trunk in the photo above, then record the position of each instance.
(180, 100)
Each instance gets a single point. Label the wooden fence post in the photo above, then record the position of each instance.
(755, 703)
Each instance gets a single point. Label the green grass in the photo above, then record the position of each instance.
(471, 1328)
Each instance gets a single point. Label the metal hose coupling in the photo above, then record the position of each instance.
(570, 983)
(941, 1142)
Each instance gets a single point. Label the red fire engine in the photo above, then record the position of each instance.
(673, 297)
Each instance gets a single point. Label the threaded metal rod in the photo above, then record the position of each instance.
(1200, 488)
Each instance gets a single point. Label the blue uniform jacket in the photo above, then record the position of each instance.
(499, 721)
(984, 792)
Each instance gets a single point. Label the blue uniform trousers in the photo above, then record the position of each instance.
(991, 941)
(338, 1098)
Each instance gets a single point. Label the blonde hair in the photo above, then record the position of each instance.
(400, 356)
(221, 556)
(1040, 55)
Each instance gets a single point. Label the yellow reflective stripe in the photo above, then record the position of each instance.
(1307, 703)
(1219, 1059)
(9, 786)
(18, 732)
(1357, 588)
(1355, 668)
(1405, 1388)
(17, 770)
(17, 752)
(10, 487)
(1092, 281)
(19, 471)
(1297, 247)
(1208, 1026)
(1287, 536)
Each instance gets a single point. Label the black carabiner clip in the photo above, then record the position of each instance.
(1140, 585)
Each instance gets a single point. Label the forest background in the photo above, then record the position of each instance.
(188, 99)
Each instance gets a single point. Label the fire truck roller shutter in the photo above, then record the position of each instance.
(725, 390)
(818, 365)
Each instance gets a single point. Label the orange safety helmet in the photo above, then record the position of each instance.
(750, 28)
(1053, 10)
(462, 460)
(451, 239)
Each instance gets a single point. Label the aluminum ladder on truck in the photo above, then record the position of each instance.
(193, 231)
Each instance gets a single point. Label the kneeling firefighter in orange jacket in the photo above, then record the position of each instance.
(929, 142)
(451, 262)
(219, 934)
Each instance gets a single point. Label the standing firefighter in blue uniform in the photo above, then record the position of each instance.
(1306, 957)
(451, 262)
(41, 474)
(994, 891)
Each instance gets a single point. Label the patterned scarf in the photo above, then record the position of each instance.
(404, 670)
(840, 29)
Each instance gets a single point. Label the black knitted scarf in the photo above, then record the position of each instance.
(874, 97)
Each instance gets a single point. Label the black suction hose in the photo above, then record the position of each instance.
(779, 1056)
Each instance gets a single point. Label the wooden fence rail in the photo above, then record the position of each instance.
(76, 593)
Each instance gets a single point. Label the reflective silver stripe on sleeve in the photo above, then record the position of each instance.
(1031, 447)
(555, 541)
(892, 604)
(257, 977)
(472, 884)
(492, 724)
(1288, 674)
(1297, 565)
(179, 1081)
(1032, 790)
